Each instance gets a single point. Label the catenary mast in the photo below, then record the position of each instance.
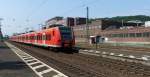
(1, 35)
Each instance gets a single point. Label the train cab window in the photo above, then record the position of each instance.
(66, 33)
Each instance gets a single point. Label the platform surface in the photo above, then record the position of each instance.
(11, 65)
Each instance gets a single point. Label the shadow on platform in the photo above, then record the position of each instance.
(12, 65)
(4, 47)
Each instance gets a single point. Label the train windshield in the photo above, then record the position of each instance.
(66, 33)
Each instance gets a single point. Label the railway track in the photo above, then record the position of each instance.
(79, 65)
(126, 48)
(67, 67)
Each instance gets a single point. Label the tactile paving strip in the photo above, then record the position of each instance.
(40, 68)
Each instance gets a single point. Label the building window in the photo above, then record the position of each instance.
(126, 35)
(138, 34)
(132, 34)
(146, 34)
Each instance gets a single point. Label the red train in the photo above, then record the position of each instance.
(55, 37)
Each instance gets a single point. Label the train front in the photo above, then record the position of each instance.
(67, 37)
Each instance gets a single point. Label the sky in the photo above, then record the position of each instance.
(18, 15)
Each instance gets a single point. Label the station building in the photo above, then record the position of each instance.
(107, 31)
(113, 32)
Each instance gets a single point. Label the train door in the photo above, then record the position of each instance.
(27, 38)
(40, 39)
(35, 39)
(43, 38)
(32, 38)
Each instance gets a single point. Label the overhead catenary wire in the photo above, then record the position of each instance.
(77, 7)
(67, 12)
(36, 9)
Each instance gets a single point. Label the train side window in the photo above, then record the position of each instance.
(26, 37)
(32, 37)
(44, 37)
(35, 37)
(40, 37)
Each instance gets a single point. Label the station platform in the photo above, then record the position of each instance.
(11, 65)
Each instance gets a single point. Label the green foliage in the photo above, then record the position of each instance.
(142, 18)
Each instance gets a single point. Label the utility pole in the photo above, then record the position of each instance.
(87, 24)
(1, 35)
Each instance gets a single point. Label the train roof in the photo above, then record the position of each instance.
(41, 31)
